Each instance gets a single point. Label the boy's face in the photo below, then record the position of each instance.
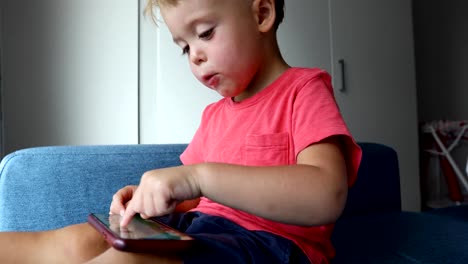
(221, 39)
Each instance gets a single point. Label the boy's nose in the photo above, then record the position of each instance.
(197, 57)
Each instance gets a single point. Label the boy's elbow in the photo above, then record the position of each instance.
(337, 200)
(340, 198)
(330, 209)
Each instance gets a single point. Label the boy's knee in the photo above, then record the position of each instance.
(78, 243)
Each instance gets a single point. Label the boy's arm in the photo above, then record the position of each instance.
(313, 192)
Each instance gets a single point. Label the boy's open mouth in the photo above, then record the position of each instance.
(211, 80)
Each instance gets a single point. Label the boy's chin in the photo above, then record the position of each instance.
(226, 93)
(223, 93)
(229, 95)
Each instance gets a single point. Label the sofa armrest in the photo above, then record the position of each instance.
(50, 187)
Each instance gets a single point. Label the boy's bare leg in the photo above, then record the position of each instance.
(113, 256)
(84, 243)
(73, 244)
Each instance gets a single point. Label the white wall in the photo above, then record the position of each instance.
(172, 100)
(70, 72)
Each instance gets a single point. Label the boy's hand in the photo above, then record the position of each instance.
(160, 191)
(121, 198)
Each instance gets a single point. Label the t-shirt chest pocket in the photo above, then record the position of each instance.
(266, 149)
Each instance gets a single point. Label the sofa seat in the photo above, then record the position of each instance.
(402, 237)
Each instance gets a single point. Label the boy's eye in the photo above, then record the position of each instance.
(206, 34)
(185, 50)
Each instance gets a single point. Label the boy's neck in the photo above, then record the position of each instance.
(271, 68)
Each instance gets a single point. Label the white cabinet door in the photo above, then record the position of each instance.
(70, 72)
(374, 38)
(304, 36)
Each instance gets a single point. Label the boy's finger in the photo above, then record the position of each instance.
(144, 216)
(125, 194)
(127, 216)
(121, 199)
(117, 208)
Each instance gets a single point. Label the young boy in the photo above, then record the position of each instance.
(271, 161)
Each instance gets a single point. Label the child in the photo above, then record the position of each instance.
(271, 161)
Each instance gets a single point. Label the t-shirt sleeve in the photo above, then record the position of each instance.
(316, 116)
(193, 154)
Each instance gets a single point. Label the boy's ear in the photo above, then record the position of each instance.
(265, 13)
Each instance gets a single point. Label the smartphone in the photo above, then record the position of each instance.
(141, 235)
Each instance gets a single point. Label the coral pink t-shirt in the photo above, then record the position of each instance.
(268, 129)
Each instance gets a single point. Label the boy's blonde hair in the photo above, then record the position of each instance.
(152, 4)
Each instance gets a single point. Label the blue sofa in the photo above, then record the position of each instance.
(50, 187)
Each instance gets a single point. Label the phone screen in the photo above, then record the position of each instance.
(140, 228)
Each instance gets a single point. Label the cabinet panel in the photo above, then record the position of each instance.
(374, 38)
(70, 72)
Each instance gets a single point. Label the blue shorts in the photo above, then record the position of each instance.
(222, 241)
